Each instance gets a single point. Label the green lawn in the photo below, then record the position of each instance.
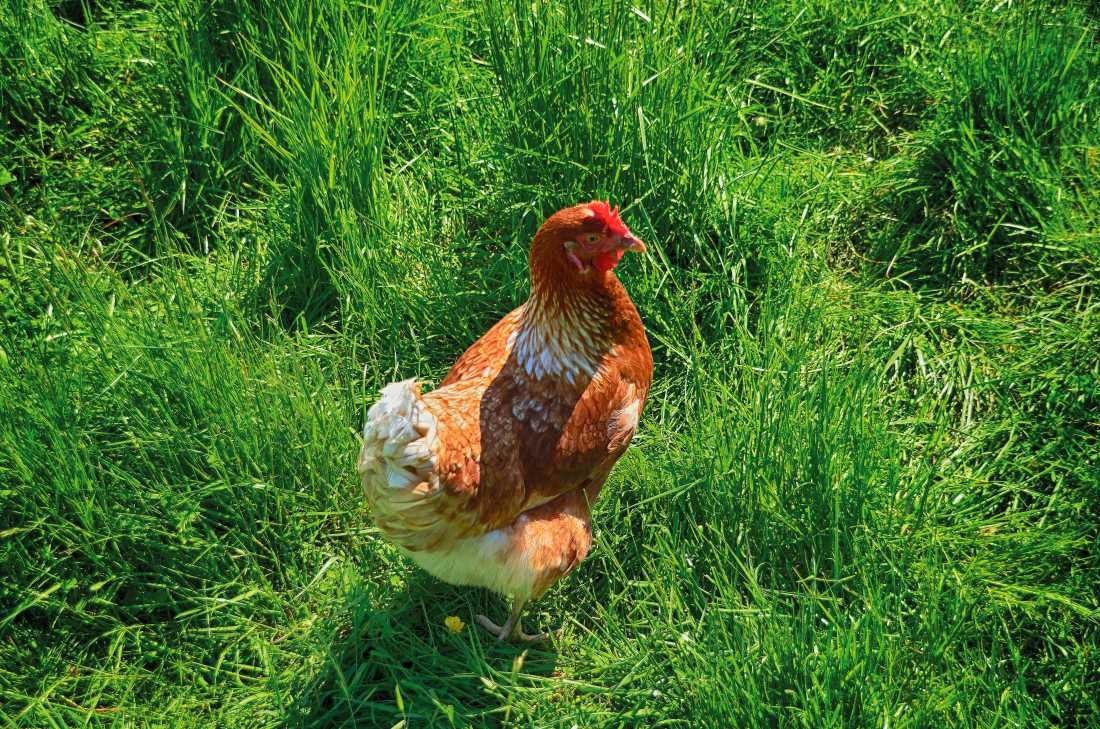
(865, 492)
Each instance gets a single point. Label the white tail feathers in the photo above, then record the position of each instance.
(396, 450)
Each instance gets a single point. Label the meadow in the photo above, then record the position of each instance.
(866, 489)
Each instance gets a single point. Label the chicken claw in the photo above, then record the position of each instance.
(512, 628)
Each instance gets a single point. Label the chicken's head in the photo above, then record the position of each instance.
(583, 240)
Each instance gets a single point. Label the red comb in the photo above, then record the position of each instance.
(609, 217)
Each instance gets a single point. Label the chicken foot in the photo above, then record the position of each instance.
(512, 626)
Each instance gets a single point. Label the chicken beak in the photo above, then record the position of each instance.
(630, 243)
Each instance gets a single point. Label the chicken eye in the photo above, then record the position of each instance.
(590, 238)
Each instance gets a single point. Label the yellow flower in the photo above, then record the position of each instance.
(454, 623)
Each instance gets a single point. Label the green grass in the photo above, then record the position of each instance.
(866, 491)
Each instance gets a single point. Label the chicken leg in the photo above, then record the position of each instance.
(512, 626)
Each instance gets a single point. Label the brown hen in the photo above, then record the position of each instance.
(489, 479)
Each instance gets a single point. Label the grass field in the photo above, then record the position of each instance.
(865, 493)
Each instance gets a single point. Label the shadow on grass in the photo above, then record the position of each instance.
(391, 659)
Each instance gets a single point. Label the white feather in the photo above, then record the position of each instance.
(396, 452)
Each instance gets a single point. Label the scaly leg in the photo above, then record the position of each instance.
(512, 626)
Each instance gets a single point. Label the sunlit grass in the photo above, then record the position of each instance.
(865, 491)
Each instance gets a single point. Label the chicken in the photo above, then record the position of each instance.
(488, 480)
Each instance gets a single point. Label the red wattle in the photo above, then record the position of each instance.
(604, 262)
